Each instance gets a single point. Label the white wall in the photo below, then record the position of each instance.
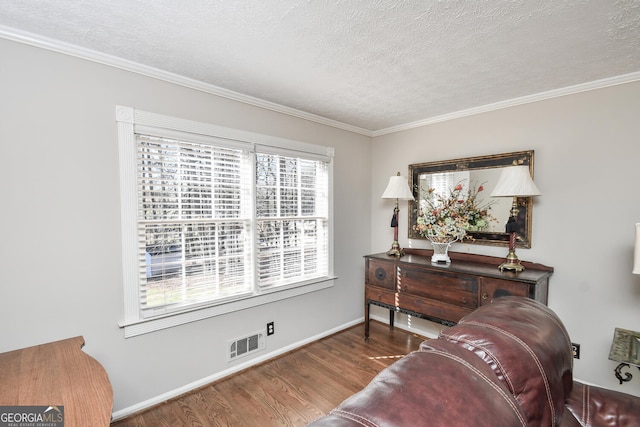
(587, 148)
(60, 272)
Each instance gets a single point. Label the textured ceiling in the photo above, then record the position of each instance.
(371, 65)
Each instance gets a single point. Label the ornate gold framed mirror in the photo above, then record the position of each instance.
(475, 172)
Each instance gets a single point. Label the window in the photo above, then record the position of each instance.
(443, 183)
(194, 223)
(216, 219)
(292, 219)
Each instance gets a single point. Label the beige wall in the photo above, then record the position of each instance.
(587, 148)
(60, 273)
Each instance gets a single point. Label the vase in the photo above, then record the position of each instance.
(440, 250)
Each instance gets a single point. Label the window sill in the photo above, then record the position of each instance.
(144, 326)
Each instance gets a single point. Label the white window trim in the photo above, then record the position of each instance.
(129, 121)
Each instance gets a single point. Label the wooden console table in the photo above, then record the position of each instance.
(58, 373)
(445, 293)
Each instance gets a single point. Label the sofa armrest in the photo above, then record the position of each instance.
(527, 347)
(598, 407)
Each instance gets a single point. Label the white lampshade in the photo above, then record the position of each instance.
(636, 252)
(515, 181)
(398, 188)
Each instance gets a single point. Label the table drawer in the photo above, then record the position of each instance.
(382, 295)
(419, 305)
(442, 286)
(496, 288)
(381, 273)
(433, 308)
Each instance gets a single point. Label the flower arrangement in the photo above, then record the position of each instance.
(447, 218)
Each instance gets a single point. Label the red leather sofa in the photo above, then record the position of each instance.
(508, 363)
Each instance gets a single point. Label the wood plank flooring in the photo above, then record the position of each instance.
(291, 390)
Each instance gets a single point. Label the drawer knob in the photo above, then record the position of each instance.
(380, 273)
(464, 300)
(485, 296)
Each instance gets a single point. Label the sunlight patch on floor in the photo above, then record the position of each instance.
(400, 356)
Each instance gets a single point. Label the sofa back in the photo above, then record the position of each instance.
(529, 350)
(443, 385)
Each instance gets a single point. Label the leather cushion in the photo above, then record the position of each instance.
(528, 348)
(599, 407)
(437, 386)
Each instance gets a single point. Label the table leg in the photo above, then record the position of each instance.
(366, 320)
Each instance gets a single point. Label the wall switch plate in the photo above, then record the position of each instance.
(575, 348)
(271, 328)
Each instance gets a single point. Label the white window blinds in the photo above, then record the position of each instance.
(292, 219)
(194, 223)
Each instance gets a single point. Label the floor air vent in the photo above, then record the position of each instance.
(246, 345)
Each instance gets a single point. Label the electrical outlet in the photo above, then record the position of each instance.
(575, 348)
(271, 328)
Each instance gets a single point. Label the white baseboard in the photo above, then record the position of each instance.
(131, 410)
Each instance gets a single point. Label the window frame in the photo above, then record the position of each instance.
(130, 122)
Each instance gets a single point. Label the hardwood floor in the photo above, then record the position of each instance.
(291, 390)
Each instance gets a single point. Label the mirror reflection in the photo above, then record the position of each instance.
(479, 184)
(474, 177)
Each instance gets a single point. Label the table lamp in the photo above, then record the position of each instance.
(515, 181)
(398, 189)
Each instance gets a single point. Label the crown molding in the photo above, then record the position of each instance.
(570, 90)
(123, 64)
(24, 37)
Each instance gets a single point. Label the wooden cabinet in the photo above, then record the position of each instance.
(445, 293)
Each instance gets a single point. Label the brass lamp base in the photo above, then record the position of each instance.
(395, 250)
(512, 263)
